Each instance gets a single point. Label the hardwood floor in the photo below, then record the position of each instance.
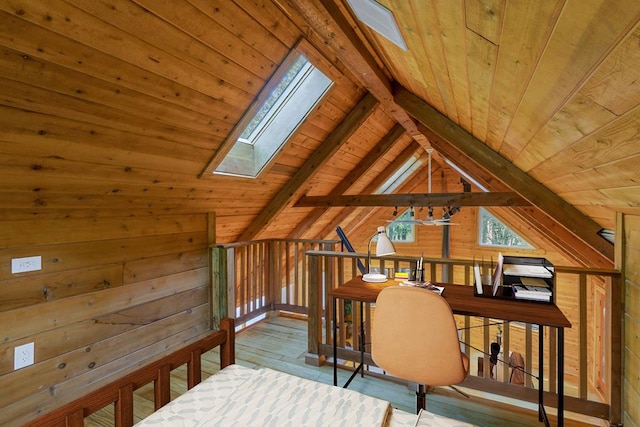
(280, 343)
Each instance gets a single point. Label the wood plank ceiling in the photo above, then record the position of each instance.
(112, 105)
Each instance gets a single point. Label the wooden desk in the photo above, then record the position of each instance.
(462, 301)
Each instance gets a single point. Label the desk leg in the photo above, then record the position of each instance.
(560, 377)
(542, 416)
(362, 339)
(335, 342)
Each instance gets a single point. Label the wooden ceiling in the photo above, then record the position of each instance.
(112, 106)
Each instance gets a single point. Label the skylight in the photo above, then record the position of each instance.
(466, 175)
(296, 89)
(378, 18)
(400, 176)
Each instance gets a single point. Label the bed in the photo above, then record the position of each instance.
(235, 396)
(241, 396)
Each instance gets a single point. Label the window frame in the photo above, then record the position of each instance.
(249, 158)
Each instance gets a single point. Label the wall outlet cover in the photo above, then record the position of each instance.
(23, 355)
(22, 265)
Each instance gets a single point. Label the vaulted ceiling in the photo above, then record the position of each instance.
(123, 104)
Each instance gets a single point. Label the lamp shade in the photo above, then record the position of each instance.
(383, 247)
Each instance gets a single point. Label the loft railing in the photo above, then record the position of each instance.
(250, 279)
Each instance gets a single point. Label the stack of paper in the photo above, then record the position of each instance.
(527, 270)
(424, 285)
(535, 293)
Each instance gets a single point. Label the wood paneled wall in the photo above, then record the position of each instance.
(112, 293)
(109, 113)
(631, 226)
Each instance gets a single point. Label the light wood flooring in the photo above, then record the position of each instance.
(280, 343)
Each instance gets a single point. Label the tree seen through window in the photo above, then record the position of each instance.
(401, 230)
(493, 232)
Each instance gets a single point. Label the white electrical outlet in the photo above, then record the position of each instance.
(22, 265)
(23, 355)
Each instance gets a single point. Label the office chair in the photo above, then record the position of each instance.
(414, 337)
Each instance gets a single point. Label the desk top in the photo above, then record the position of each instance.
(462, 301)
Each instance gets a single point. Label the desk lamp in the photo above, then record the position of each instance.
(383, 247)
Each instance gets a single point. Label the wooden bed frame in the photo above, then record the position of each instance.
(121, 391)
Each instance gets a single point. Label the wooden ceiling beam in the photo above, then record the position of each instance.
(327, 20)
(328, 148)
(415, 199)
(441, 131)
(363, 218)
(561, 238)
(400, 160)
(356, 173)
(556, 234)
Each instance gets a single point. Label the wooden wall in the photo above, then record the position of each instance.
(109, 112)
(112, 293)
(631, 225)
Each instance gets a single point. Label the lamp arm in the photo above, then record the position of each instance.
(369, 251)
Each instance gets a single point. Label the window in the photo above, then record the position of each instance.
(294, 91)
(400, 176)
(465, 175)
(493, 232)
(401, 229)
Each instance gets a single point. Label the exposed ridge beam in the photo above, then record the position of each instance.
(328, 148)
(417, 199)
(363, 166)
(400, 160)
(441, 131)
(327, 20)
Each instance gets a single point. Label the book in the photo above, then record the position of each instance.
(497, 274)
(476, 272)
(402, 274)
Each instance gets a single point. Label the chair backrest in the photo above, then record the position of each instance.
(414, 337)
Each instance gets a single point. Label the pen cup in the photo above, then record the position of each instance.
(416, 275)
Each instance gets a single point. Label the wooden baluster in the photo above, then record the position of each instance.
(194, 370)
(162, 387)
(124, 406)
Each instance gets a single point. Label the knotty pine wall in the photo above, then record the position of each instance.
(632, 320)
(113, 293)
(109, 113)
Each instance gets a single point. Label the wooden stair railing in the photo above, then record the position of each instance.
(121, 391)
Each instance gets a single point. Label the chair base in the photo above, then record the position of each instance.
(421, 398)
